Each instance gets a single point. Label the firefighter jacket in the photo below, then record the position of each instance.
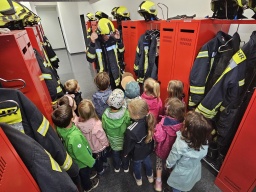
(228, 88)
(88, 37)
(29, 119)
(205, 61)
(44, 169)
(49, 77)
(50, 53)
(105, 55)
(145, 57)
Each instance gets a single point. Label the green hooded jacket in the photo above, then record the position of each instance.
(77, 146)
(115, 124)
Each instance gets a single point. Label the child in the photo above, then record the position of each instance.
(72, 88)
(165, 134)
(151, 95)
(138, 139)
(75, 144)
(190, 147)
(130, 86)
(175, 89)
(68, 100)
(100, 98)
(115, 120)
(91, 127)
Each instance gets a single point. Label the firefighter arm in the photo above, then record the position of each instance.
(137, 59)
(91, 53)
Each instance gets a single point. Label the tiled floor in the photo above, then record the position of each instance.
(76, 66)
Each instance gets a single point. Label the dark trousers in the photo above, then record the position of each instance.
(85, 178)
(119, 159)
(99, 159)
(137, 167)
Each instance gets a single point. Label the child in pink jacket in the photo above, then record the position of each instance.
(165, 134)
(91, 127)
(151, 95)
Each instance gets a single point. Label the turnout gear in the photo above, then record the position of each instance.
(29, 120)
(91, 16)
(6, 7)
(252, 5)
(228, 9)
(122, 13)
(147, 9)
(105, 27)
(99, 15)
(42, 166)
(209, 65)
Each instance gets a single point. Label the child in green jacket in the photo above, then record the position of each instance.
(76, 145)
(115, 120)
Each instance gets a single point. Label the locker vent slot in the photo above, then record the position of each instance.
(187, 31)
(168, 29)
(24, 50)
(2, 167)
(29, 44)
(133, 27)
(125, 26)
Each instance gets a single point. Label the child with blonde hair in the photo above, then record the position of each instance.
(151, 95)
(165, 134)
(91, 127)
(175, 89)
(138, 139)
(190, 147)
(72, 88)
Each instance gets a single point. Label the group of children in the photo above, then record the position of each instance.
(130, 126)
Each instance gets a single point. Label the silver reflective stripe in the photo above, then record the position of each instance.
(111, 47)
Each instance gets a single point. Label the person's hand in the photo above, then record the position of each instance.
(117, 34)
(94, 36)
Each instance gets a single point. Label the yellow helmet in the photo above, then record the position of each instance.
(147, 9)
(91, 16)
(6, 7)
(113, 12)
(105, 27)
(99, 15)
(122, 12)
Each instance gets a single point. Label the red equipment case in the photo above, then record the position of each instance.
(18, 61)
(34, 39)
(238, 171)
(39, 32)
(14, 175)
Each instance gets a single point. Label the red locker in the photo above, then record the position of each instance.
(39, 32)
(115, 24)
(34, 39)
(18, 61)
(126, 41)
(14, 175)
(238, 172)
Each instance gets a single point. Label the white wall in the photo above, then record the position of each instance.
(84, 8)
(71, 26)
(51, 26)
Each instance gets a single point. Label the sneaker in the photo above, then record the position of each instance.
(138, 181)
(93, 174)
(150, 178)
(95, 183)
(158, 185)
(126, 170)
(117, 170)
(103, 171)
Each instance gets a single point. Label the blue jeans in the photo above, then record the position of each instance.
(175, 190)
(119, 159)
(137, 167)
(85, 178)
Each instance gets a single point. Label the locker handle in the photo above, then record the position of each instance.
(125, 26)
(24, 50)
(168, 29)
(29, 44)
(187, 31)
(133, 27)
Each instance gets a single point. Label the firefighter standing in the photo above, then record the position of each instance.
(104, 49)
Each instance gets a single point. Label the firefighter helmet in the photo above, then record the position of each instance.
(6, 7)
(113, 12)
(91, 16)
(99, 15)
(105, 27)
(147, 9)
(122, 13)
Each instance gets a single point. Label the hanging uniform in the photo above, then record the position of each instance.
(50, 79)
(29, 120)
(44, 169)
(105, 55)
(205, 65)
(50, 53)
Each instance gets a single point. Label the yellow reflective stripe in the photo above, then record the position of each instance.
(121, 50)
(117, 81)
(137, 49)
(91, 56)
(43, 128)
(100, 61)
(46, 76)
(54, 58)
(136, 67)
(202, 54)
(115, 51)
(197, 90)
(140, 80)
(222, 108)
(241, 83)
(67, 163)
(211, 63)
(54, 164)
(206, 112)
(13, 117)
(58, 82)
(192, 104)
(239, 56)
(59, 89)
(54, 102)
(146, 60)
